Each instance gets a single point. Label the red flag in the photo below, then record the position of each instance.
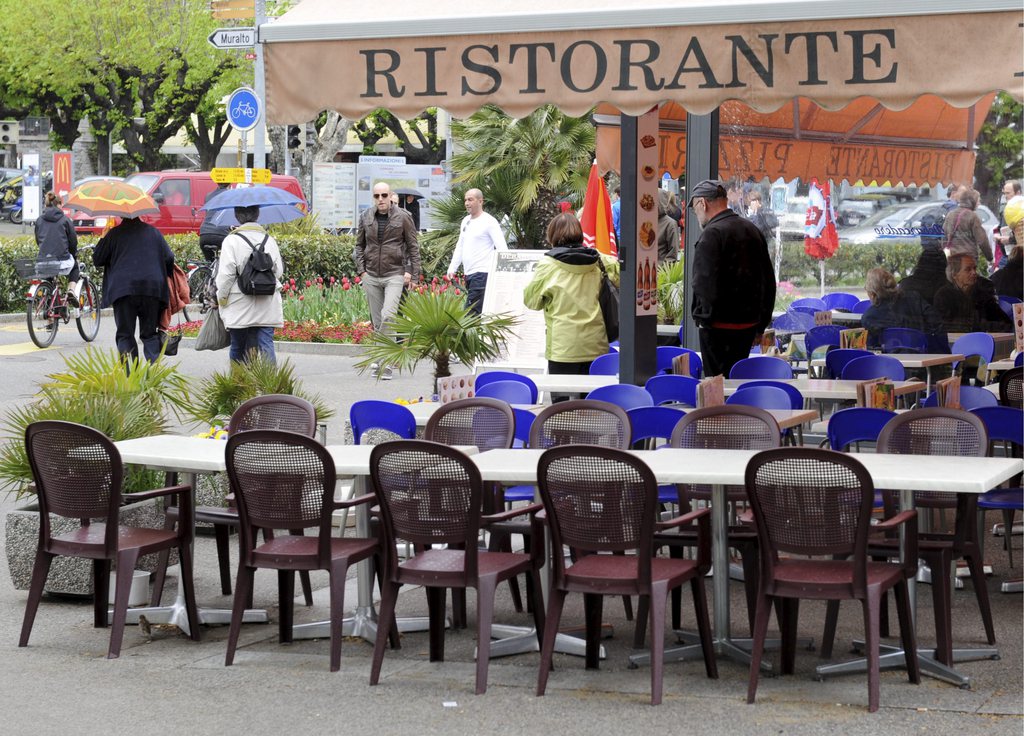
(598, 231)
(820, 238)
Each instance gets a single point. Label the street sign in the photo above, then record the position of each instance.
(233, 38)
(244, 109)
(240, 176)
(233, 9)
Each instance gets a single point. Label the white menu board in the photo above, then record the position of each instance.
(511, 271)
(334, 194)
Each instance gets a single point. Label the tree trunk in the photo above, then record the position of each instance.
(329, 141)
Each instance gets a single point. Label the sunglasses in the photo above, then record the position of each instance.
(381, 196)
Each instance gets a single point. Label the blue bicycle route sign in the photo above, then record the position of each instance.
(244, 109)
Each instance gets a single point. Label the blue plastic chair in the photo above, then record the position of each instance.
(524, 420)
(796, 399)
(841, 301)
(861, 306)
(857, 424)
(820, 336)
(656, 423)
(1019, 360)
(762, 397)
(671, 389)
(971, 398)
(1006, 304)
(904, 340)
(613, 346)
(605, 365)
(873, 366)
(511, 392)
(975, 343)
(803, 309)
(765, 367)
(793, 322)
(810, 302)
(665, 354)
(625, 395)
(483, 379)
(375, 414)
(836, 360)
(696, 365)
(1004, 424)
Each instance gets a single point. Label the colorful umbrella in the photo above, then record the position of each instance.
(111, 197)
(598, 231)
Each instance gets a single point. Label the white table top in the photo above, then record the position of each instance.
(1001, 365)
(727, 467)
(912, 360)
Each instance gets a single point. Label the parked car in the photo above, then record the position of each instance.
(905, 222)
(791, 222)
(180, 196)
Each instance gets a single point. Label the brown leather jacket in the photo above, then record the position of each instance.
(397, 252)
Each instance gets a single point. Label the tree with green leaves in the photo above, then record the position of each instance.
(427, 148)
(1000, 148)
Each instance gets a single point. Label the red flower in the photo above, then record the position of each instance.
(308, 283)
(346, 285)
(301, 297)
(358, 280)
(332, 279)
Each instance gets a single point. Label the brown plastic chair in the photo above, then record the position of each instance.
(272, 411)
(1011, 392)
(729, 427)
(78, 475)
(810, 502)
(284, 480)
(600, 500)
(940, 431)
(487, 424)
(430, 494)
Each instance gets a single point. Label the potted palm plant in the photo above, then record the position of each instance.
(436, 326)
(99, 390)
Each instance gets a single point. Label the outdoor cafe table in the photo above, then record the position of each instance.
(998, 366)
(721, 468)
(914, 360)
(1003, 342)
(191, 456)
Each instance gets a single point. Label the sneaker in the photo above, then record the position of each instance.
(374, 369)
(73, 299)
(387, 374)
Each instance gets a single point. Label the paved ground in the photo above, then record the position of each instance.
(167, 684)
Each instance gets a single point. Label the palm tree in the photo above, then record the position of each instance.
(526, 166)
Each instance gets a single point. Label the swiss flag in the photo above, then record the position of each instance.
(820, 238)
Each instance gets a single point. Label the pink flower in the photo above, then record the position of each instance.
(346, 285)
(301, 297)
(358, 280)
(332, 279)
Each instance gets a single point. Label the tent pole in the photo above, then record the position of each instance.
(701, 163)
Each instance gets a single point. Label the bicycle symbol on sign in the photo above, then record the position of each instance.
(244, 110)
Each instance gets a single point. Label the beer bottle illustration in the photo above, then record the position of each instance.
(647, 285)
(639, 285)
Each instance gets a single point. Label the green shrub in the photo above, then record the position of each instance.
(851, 263)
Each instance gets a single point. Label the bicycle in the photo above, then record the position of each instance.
(47, 301)
(200, 285)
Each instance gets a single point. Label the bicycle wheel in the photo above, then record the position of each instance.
(197, 288)
(42, 325)
(88, 320)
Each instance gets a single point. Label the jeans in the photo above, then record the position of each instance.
(476, 284)
(145, 310)
(383, 294)
(246, 340)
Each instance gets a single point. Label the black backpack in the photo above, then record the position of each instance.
(257, 277)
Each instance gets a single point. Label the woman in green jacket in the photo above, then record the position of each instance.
(566, 285)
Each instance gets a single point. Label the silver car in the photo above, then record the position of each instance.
(909, 221)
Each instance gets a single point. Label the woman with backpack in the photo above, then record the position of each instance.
(249, 287)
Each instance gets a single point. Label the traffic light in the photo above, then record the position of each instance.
(8, 132)
(294, 136)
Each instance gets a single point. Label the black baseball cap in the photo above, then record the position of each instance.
(707, 189)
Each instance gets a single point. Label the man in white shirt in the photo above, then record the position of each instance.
(479, 236)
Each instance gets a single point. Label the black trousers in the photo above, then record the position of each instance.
(721, 349)
(572, 369)
(144, 310)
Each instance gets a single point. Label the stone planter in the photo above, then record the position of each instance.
(69, 575)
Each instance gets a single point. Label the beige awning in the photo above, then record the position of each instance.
(408, 55)
(930, 142)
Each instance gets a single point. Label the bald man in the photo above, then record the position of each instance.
(479, 236)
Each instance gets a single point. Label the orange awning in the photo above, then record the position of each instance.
(930, 142)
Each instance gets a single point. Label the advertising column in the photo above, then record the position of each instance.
(31, 192)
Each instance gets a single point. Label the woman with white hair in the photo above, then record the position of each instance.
(968, 302)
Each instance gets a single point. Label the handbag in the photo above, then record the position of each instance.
(608, 298)
(170, 341)
(213, 335)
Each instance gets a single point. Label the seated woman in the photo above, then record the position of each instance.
(968, 302)
(1009, 280)
(929, 274)
(895, 307)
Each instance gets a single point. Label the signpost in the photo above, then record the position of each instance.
(244, 109)
(240, 176)
(233, 38)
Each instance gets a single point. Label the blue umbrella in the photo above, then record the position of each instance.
(258, 196)
(268, 215)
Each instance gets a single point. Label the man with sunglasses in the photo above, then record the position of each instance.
(733, 280)
(387, 258)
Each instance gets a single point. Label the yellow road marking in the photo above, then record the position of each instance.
(14, 328)
(20, 348)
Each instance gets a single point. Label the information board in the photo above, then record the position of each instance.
(424, 182)
(511, 271)
(334, 195)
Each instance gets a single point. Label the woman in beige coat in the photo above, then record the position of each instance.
(964, 233)
(250, 320)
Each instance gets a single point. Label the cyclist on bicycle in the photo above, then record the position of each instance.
(55, 236)
(210, 235)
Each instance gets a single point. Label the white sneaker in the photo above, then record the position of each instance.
(374, 369)
(387, 374)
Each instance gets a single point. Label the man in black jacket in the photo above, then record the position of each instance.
(733, 280)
